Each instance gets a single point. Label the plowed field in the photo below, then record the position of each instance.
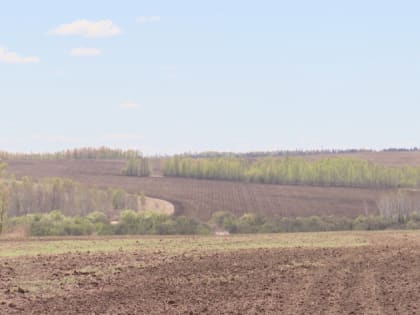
(200, 198)
(326, 273)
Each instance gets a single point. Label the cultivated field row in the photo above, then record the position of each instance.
(310, 273)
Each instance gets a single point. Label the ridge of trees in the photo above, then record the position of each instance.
(111, 153)
(290, 153)
(331, 171)
(91, 153)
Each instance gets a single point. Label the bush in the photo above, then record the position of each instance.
(97, 217)
(224, 220)
(132, 222)
(413, 225)
(56, 224)
(251, 223)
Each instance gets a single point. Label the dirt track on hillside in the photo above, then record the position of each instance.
(200, 198)
(381, 278)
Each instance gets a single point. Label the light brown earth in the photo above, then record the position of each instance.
(156, 205)
(380, 277)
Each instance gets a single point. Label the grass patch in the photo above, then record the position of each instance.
(175, 244)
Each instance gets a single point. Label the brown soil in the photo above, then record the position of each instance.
(380, 278)
(200, 198)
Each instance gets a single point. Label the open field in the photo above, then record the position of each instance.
(319, 273)
(199, 198)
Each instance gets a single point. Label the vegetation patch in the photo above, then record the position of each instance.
(334, 171)
(130, 222)
(137, 167)
(178, 244)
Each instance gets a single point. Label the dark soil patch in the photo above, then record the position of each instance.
(382, 278)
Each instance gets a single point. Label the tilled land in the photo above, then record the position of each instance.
(200, 198)
(382, 277)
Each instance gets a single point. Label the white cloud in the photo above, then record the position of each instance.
(85, 28)
(79, 52)
(11, 57)
(148, 19)
(129, 106)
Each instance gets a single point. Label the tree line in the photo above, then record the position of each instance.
(333, 171)
(55, 223)
(112, 154)
(253, 223)
(91, 153)
(25, 196)
(137, 167)
(130, 222)
(290, 153)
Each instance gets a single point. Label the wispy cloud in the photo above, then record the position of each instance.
(86, 28)
(80, 52)
(11, 57)
(129, 105)
(148, 19)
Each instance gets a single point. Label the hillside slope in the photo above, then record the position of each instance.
(200, 198)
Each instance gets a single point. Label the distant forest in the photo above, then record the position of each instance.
(106, 153)
(332, 171)
(101, 153)
(285, 153)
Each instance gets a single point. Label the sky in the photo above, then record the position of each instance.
(186, 76)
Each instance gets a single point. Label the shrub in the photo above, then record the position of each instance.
(224, 220)
(413, 225)
(249, 223)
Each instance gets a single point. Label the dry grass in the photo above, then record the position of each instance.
(177, 244)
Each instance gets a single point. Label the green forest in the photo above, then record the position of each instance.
(334, 171)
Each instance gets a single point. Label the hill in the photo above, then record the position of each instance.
(200, 198)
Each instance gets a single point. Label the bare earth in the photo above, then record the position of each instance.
(381, 277)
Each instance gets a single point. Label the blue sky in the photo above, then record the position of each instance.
(176, 76)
